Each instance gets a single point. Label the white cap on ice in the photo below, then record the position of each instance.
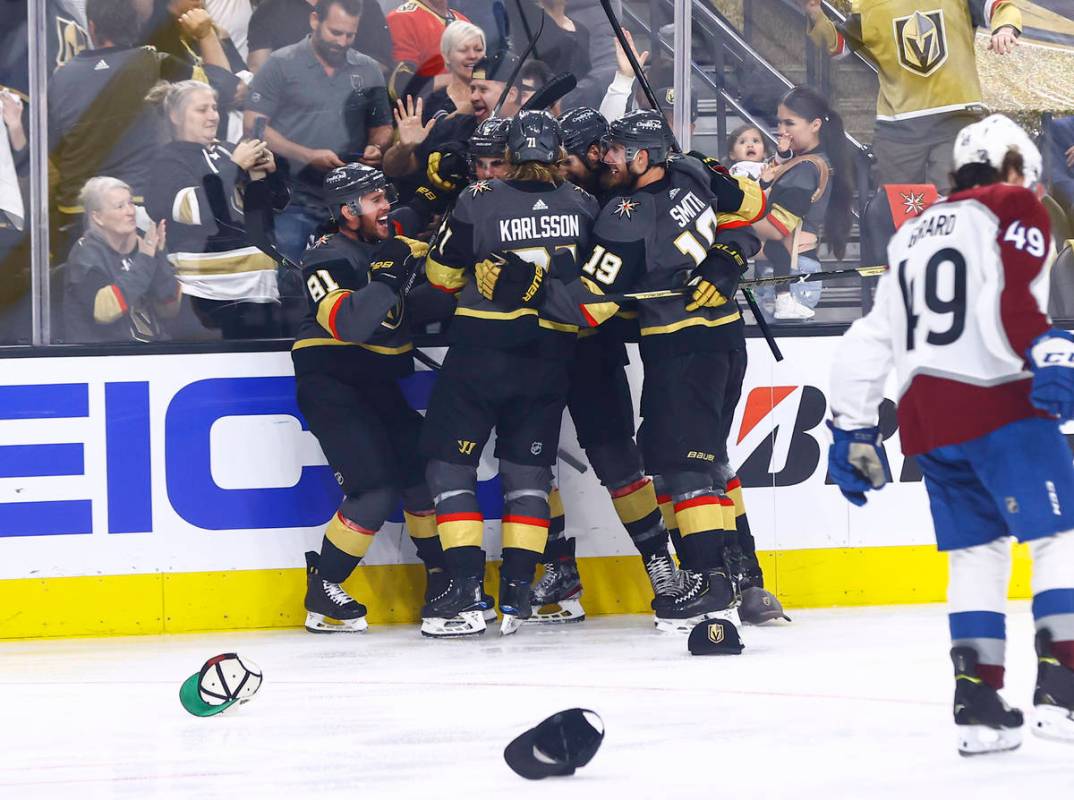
(987, 142)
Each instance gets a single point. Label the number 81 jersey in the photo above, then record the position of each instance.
(963, 299)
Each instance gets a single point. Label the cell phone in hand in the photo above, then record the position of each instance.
(259, 128)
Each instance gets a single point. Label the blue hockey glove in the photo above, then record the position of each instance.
(857, 462)
(1051, 357)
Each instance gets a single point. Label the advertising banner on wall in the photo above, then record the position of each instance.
(202, 462)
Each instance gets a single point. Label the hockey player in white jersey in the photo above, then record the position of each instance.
(984, 382)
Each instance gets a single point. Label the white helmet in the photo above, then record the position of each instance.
(987, 142)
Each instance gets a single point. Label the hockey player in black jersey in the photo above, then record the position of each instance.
(504, 251)
(352, 348)
(488, 149)
(602, 410)
(666, 223)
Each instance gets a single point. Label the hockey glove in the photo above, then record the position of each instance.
(447, 168)
(857, 462)
(1051, 357)
(509, 280)
(716, 278)
(396, 260)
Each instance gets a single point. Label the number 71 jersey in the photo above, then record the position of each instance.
(955, 315)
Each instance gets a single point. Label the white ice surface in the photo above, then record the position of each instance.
(838, 704)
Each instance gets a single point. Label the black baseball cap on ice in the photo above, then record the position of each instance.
(715, 637)
(558, 746)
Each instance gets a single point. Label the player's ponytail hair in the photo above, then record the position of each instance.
(172, 98)
(810, 104)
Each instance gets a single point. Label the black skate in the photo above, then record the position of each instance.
(663, 575)
(1053, 700)
(514, 604)
(458, 609)
(556, 596)
(329, 609)
(702, 596)
(986, 724)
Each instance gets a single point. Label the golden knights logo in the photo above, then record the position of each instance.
(71, 39)
(716, 634)
(922, 41)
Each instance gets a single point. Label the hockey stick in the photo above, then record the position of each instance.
(774, 280)
(526, 25)
(518, 68)
(643, 80)
(579, 466)
(552, 92)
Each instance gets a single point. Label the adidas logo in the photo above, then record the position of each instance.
(672, 193)
(102, 64)
(540, 205)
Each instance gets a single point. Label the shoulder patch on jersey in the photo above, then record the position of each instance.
(625, 207)
(479, 187)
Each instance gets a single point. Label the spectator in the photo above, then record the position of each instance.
(564, 42)
(209, 192)
(167, 34)
(929, 88)
(278, 23)
(618, 94)
(325, 105)
(587, 14)
(747, 151)
(119, 285)
(417, 140)
(808, 193)
(533, 77)
(98, 122)
(462, 46)
(233, 16)
(1059, 162)
(14, 232)
(417, 27)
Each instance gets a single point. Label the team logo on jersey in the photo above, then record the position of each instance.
(922, 41)
(625, 208)
(477, 187)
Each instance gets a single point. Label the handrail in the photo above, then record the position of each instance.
(635, 20)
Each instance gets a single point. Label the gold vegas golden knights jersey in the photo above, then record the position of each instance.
(923, 50)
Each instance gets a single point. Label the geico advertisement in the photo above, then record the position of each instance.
(203, 462)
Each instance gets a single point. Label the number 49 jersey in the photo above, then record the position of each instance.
(955, 315)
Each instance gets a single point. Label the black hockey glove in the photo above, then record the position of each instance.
(509, 280)
(716, 278)
(396, 261)
(447, 168)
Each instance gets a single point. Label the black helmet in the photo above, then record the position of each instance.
(642, 130)
(490, 138)
(582, 127)
(347, 185)
(534, 136)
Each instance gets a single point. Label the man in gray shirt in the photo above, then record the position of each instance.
(324, 105)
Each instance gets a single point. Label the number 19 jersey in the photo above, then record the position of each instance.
(962, 301)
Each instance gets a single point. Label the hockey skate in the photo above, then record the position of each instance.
(702, 595)
(663, 575)
(514, 604)
(458, 610)
(329, 609)
(437, 579)
(1053, 700)
(986, 724)
(555, 597)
